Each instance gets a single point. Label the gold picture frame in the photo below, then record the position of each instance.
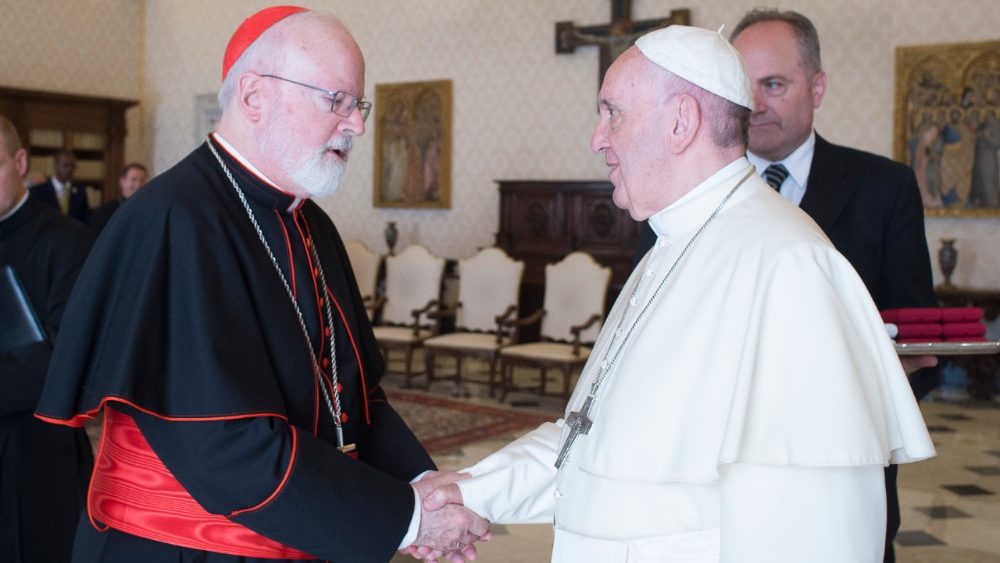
(413, 145)
(947, 125)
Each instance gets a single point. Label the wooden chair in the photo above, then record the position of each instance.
(570, 317)
(488, 287)
(365, 264)
(412, 290)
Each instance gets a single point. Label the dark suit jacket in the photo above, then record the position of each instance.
(79, 208)
(870, 208)
(99, 217)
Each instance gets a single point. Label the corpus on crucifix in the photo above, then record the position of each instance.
(615, 37)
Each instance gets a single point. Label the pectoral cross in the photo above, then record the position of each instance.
(579, 423)
(340, 442)
(615, 37)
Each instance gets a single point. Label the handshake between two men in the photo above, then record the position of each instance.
(447, 528)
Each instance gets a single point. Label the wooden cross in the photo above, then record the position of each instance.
(615, 37)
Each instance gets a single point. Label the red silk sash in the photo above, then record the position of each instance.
(132, 491)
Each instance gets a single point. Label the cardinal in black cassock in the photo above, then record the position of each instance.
(183, 335)
(218, 327)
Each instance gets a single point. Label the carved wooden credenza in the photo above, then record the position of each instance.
(541, 221)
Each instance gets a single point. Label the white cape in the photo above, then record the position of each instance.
(763, 347)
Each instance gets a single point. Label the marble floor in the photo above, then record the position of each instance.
(950, 504)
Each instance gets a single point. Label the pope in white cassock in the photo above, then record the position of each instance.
(744, 396)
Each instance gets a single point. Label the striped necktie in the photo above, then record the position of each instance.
(775, 175)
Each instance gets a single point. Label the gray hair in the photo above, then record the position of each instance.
(804, 30)
(729, 122)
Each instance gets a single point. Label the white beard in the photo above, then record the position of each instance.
(318, 174)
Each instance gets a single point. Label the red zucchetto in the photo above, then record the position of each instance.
(251, 29)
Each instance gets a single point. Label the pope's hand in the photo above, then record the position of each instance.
(434, 479)
(443, 495)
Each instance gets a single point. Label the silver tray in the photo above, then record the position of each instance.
(947, 348)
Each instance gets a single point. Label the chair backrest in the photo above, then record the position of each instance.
(575, 289)
(365, 264)
(412, 278)
(488, 283)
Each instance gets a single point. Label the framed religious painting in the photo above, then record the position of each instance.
(947, 125)
(413, 145)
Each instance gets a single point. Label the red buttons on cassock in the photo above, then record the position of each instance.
(340, 387)
(326, 362)
(343, 417)
(326, 332)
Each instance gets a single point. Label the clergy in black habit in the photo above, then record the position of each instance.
(219, 329)
(43, 468)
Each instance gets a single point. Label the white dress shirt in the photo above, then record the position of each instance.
(798, 163)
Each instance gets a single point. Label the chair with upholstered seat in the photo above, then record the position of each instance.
(575, 290)
(412, 290)
(488, 286)
(365, 264)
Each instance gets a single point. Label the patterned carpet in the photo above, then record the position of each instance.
(445, 424)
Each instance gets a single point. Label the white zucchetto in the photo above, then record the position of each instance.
(703, 58)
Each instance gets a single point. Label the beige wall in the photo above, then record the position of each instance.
(520, 111)
(88, 47)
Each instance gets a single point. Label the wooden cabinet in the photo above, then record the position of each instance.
(541, 221)
(93, 128)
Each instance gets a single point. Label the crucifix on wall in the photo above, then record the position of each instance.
(615, 37)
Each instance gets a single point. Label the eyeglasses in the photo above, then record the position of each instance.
(342, 103)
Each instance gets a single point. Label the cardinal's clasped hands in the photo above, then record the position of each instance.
(447, 528)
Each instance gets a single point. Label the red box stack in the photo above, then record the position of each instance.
(937, 324)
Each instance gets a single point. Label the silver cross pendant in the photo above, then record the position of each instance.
(579, 423)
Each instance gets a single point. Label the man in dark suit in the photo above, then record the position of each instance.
(60, 191)
(133, 176)
(868, 205)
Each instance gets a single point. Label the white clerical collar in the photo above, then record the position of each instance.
(798, 163)
(20, 204)
(296, 203)
(691, 210)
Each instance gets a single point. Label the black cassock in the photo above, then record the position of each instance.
(44, 469)
(181, 322)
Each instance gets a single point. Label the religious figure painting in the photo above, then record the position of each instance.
(413, 145)
(947, 125)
